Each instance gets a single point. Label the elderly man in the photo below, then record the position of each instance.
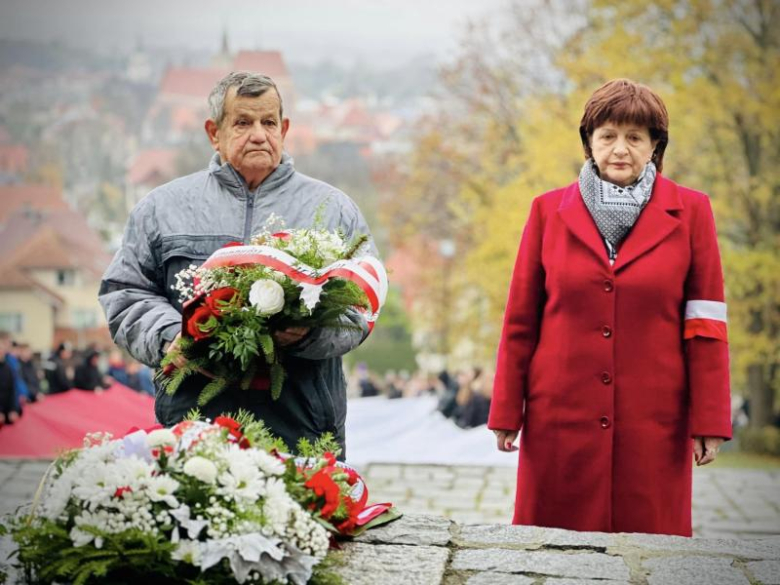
(184, 221)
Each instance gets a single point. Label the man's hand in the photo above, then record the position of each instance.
(179, 361)
(506, 439)
(705, 449)
(290, 335)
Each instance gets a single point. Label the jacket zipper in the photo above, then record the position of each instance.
(250, 203)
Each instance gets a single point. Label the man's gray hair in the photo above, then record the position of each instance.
(247, 84)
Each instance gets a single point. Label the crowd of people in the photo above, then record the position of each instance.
(27, 377)
(463, 397)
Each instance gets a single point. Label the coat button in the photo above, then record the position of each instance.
(605, 422)
(609, 286)
(606, 378)
(606, 331)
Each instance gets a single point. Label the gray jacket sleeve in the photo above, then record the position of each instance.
(330, 342)
(140, 317)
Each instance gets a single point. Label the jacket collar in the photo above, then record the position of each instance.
(232, 180)
(654, 224)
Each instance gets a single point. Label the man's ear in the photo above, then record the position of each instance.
(285, 127)
(212, 130)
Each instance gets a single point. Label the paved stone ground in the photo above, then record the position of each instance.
(727, 503)
(455, 533)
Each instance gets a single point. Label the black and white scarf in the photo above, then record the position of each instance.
(615, 209)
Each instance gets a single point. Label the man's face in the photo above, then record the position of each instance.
(251, 136)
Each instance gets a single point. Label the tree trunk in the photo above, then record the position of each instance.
(761, 397)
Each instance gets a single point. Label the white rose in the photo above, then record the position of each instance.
(267, 297)
(160, 438)
(202, 469)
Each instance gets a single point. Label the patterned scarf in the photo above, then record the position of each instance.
(615, 209)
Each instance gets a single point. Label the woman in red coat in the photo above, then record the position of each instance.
(613, 358)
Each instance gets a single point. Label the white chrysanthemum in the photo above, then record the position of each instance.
(267, 463)
(96, 484)
(134, 473)
(277, 506)
(243, 479)
(161, 489)
(160, 438)
(202, 469)
(58, 495)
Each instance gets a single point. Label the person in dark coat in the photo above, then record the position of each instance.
(57, 370)
(88, 376)
(9, 411)
(30, 372)
(614, 353)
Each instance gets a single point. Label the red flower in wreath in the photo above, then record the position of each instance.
(353, 509)
(200, 317)
(323, 486)
(234, 430)
(217, 299)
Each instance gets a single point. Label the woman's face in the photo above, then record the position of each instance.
(621, 151)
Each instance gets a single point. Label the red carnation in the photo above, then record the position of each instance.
(234, 430)
(201, 317)
(227, 422)
(231, 244)
(282, 235)
(216, 300)
(323, 486)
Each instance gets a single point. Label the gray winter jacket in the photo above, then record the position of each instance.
(182, 223)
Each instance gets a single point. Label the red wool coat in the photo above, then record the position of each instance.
(611, 370)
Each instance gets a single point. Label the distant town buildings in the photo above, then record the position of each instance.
(82, 142)
(51, 264)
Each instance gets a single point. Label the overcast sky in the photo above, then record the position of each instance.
(386, 32)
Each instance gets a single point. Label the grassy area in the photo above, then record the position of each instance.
(740, 460)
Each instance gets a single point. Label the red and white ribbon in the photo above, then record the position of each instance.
(367, 272)
(705, 319)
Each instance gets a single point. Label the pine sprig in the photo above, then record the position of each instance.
(277, 380)
(211, 390)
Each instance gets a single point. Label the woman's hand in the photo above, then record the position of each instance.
(705, 449)
(506, 439)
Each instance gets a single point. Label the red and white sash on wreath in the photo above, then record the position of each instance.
(367, 272)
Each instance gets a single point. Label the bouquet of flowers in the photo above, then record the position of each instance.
(241, 295)
(199, 503)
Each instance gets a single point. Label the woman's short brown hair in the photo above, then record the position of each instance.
(623, 101)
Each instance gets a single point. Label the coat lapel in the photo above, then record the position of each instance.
(655, 223)
(577, 218)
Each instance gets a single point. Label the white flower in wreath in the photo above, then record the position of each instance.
(330, 246)
(160, 438)
(202, 469)
(266, 296)
(161, 489)
(187, 551)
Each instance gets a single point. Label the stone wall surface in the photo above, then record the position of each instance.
(432, 550)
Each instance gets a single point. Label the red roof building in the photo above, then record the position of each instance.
(13, 159)
(152, 167)
(14, 198)
(52, 263)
